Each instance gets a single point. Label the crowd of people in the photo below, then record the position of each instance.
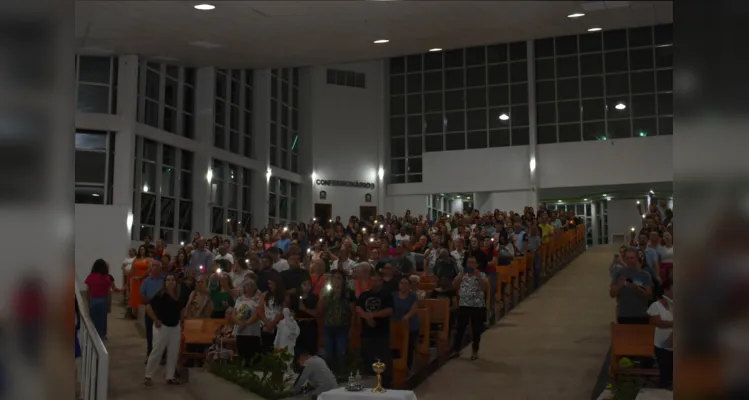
(642, 284)
(332, 273)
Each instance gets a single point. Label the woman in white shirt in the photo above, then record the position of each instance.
(661, 315)
(666, 253)
(246, 320)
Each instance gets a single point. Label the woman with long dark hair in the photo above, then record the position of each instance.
(100, 285)
(271, 304)
(166, 311)
(336, 308)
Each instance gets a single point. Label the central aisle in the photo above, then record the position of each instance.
(551, 346)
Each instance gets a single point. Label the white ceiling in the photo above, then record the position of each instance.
(255, 34)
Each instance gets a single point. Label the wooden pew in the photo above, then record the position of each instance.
(399, 331)
(422, 346)
(439, 314)
(199, 331)
(427, 286)
(631, 341)
(530, 278)
(504, 287)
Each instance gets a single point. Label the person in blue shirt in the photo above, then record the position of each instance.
(148, 289)
(284, 242)
(405, 304)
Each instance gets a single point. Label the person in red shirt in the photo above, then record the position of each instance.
(100, 284)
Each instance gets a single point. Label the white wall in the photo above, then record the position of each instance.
(416, 203)
(622, 216)
(480, 170)
(347, 126)
(606, 162)
(504, 201)
(100, 232)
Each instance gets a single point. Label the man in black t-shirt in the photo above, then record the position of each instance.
(375, 306)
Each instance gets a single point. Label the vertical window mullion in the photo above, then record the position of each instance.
(158, 167)
(137, 185)
(629, 89)
(655, 83)
(179, 129)
(227, 112)
(579, 88)
(162, 95)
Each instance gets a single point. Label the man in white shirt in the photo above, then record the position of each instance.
(402, 235)
(223, 254)
(343, 262)
(279, 264)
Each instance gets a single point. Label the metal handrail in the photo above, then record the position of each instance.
(94, 367)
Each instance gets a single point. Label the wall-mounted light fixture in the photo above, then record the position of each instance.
(268, 174)
(533, 164)
(129, 222)
(381, 173)
(209, 175)
(314, 177)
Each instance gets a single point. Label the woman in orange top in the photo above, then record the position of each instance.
(141, 266)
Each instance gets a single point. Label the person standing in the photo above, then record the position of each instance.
(405, 304)
(201, 258)
(661, 315)
(100, 284)
(632, 288)
(166, 311)
(471, 285)
(375, 307)
(246, 320)
(140, 270)
(148, 289)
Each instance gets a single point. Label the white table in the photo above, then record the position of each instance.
(366, 393)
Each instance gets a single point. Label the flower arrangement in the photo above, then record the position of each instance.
(265, 375)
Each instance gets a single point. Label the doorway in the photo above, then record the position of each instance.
(323, 213)
(367, 211)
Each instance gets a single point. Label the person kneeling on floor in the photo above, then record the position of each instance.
(315, 374)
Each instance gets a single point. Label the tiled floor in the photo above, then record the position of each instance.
(550, 347)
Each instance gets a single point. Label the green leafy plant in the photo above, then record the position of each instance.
(264, 376)
(626, 387)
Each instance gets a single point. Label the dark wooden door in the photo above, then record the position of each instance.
(323, 213)
(367, 211)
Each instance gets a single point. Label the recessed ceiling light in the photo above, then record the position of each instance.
(576, 15)
(381, 41)
(204, 7)
(435, 49)
(95, 195)
(594, 29)
(205, 44)
(504, 117)
(585, 199)
(620, 106)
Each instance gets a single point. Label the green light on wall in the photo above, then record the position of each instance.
(293, 145)
(643, 134)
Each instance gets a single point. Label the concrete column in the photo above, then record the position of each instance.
(382, 145)
(306, 200)
(124, 139)
(532, 133)
(205, 93)
(261, 136)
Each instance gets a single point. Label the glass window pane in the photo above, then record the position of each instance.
(546, 113)
(433, 102)
(433, 60)
(664, 57)
(413, 63)
(455, 121)
(641, 59)
(433, 81)
(147, 209)
(617, 84)
(544, 47)
(566, 45)
(415, 125)
(615, 61)
(475, 76)
(545, 69)
(594, 131)
(185, 181)
(569, 133)
(94, 69)
(664, 34)
(415, 146)
(644, 127)
(568, 111)
(518, 51)
(397, 65)
(413, 83)
(433, 143)
(643, 105)
(476, 55)
(566, 66)
(496, 118)
(665, 126)
(167, 212)
(640, 36)
(520, 137)
(476, 119)
(496, 53)
(547, 134)
(591, 64)
(665, 80)
(90, 166)
(475, 98)
(413, 165)
(665, 104)
(613, 40)
(167, 181)
(617, 107)
(454, 58)
(519, 71)
(397, 84)
(594, 109)
(397, 105)
(590, 42)
(93, 99)
(398, 147)
(619, 129)
(519, 93)
(90, 141)
(455, 141)
(498, 74)
(454, 100)
(545, 91)
(454, 79)
(499, 95)
(592, 86)
(499, 138)
(434, 123)
(397, 126)
(642, 82)
(413, 105)
(477, 140)
(398, 166)
(519, 115)
(568, 89)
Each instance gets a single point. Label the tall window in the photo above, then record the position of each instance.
(96, 84)
(233, 111)
(282, 201)
(459, 99)
(284, 118)
(166, 97)
(162, 192)
(94, 167)
(230, 196)
(605, 85)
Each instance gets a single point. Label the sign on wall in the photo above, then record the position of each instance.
(354, 184)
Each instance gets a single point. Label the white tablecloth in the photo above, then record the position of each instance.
(366, 393)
